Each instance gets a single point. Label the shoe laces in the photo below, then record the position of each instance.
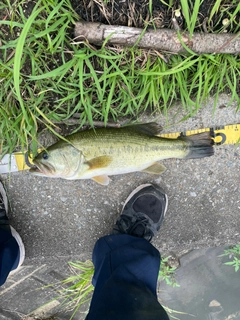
(135, 226)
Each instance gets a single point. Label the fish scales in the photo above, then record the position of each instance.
(126, 144)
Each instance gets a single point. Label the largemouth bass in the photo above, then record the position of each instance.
(98, 153)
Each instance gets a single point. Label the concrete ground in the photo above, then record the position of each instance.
(208, 289)
(59, 219)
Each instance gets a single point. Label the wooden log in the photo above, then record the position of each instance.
(159, 39)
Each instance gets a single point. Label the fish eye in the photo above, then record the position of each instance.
(45, 156)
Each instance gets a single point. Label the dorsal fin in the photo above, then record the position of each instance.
(150, 128)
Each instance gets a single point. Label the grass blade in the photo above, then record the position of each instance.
(18, 57)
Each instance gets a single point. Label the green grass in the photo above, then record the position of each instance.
(76, 290)
(46, 78)
(167, 273)
(190, 16)
(233, 253)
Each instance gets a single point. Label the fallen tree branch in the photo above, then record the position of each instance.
(160, 39)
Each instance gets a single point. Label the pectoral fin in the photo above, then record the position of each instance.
(155, 168)
(104, 180)
(99, 162)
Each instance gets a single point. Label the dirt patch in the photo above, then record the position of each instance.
(155, 13)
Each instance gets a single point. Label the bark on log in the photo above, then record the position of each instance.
(160, 39)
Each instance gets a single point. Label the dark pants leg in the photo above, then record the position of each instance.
(125, 279)
(9, 253)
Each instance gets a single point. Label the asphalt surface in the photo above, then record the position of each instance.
(61, 219)
(57, 217)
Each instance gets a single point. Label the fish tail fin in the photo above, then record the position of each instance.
(200, 145)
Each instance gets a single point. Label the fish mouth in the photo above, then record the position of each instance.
(40, 169)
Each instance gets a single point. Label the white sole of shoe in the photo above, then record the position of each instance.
(4, 196)
(140, 188)
(17, 237)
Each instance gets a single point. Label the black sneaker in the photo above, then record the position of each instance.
(143, 212)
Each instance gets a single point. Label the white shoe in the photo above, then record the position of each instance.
(17, 237)
(3, 201)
